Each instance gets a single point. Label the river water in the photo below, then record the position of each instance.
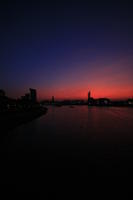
(71, 142)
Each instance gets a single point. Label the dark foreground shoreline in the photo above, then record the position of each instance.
(86, 152)
(12, 119)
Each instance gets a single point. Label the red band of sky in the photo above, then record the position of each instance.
(112, 80)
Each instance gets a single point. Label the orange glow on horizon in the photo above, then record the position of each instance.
(103, 78)
(81, 93)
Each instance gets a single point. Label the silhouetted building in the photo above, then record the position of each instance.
(102, 102)
(26, 97)
(89, 95)
(2, 93)
(3, 101)
(33, 95)
(130, 101)
(29, 100)
(90, 99)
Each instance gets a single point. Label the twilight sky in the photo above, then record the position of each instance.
(64, 48)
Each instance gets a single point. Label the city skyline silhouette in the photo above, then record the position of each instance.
(62, 49)
(66, 99)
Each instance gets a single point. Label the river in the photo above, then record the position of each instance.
(76, 142)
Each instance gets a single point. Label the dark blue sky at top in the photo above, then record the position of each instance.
(41, 42)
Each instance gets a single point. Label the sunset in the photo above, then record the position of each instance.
(66, 99)
(64, 49)
(112, 80)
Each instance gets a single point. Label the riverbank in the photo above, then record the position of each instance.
(69, 144)
(11, 119)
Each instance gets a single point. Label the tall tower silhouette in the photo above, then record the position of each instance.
(89, 95)
(33, 95)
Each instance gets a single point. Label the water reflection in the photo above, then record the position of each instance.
(72, 142)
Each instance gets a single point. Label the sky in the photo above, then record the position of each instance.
(65, 48)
